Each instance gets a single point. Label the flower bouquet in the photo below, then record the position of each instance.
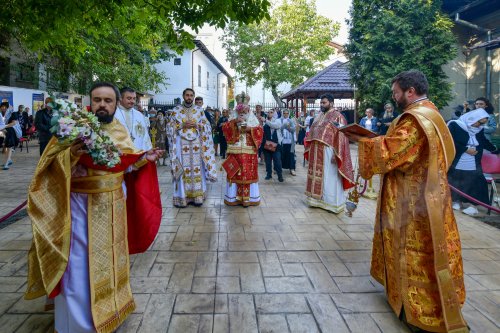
(69, 123)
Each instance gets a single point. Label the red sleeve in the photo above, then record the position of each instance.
(143, 208)
(257, 135)
(126, 161)
(231, 132)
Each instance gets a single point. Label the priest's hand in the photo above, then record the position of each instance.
(76, 148)
(189, 124)
(154, 154)
(240, 119)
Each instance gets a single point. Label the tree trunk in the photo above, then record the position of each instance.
(274, 91)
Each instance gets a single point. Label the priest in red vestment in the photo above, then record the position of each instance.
(330, 170)
(243, 134)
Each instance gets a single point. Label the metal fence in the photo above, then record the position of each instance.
(159, 105)
(309, 106)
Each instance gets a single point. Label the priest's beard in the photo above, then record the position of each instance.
(103, 116)
(402, 102)
(324, 108)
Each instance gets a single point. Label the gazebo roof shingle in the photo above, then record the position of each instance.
(333, 79)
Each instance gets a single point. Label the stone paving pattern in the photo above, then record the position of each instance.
(279, 267)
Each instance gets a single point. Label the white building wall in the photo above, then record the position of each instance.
(179, 78)
(24, 96)
(214, 91)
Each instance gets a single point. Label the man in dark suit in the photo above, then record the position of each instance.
(42, 125)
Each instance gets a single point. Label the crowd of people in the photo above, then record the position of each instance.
(85, 228)
(471, 127)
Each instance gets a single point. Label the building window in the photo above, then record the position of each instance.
(177, 61)
(208, 80)
(51, 79)
(25, 73)
(199, 76)
(4, 71)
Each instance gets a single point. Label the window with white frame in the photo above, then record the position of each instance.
(199, 75)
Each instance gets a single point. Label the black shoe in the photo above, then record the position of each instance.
(281, 180)
(268, 177)
(197, 204)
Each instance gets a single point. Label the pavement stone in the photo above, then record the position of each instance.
(278, 267)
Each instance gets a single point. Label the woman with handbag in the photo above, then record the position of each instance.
(272, 145)
(14, 132)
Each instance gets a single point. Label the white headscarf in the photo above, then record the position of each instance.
(468, 119)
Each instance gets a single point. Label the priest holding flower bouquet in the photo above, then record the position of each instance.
(88, 211)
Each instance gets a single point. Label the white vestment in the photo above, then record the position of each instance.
(136, 125)
(334, 196)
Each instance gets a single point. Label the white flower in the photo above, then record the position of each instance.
(72, 123)
(86, 131)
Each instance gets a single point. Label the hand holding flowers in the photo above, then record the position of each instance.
(82, 130)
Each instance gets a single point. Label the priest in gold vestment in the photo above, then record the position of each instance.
(80, 250)
(416, 246)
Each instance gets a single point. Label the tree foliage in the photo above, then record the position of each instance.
(287, 47)
(115, 40)
(387, 37)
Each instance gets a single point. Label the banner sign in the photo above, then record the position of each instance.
(38, 100)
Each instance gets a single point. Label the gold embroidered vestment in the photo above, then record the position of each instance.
(49, 210)
(416, 246)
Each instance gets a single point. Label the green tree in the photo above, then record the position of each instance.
(387, 37)
(116, 40)
(287, 47)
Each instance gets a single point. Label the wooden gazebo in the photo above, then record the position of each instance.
(334, 79)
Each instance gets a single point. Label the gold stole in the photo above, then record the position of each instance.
(110, 294)
(432, 123)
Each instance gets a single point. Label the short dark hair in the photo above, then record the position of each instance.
(187, 89)
(412, 78)
(126, 90)
(329, 97)
(105, 84)
(198, 98)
